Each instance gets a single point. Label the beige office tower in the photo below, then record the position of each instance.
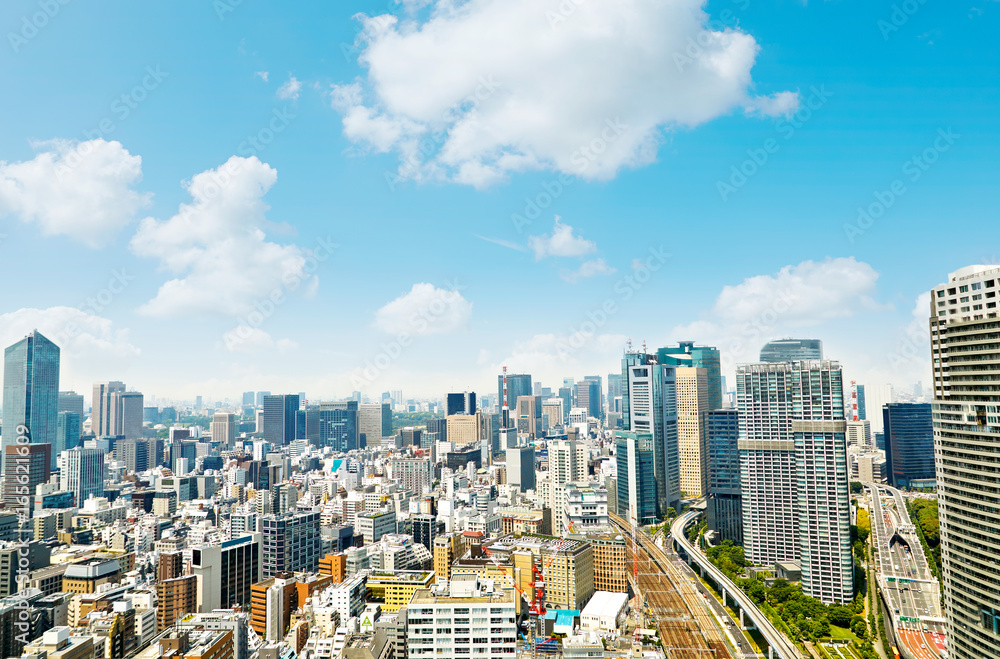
(965, 360)
(859, 433)
(224, 428)
(692, 440)
(465, 429)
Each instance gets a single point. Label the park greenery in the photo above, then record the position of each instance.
(924, 513)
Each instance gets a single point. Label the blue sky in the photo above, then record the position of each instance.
(635, 114)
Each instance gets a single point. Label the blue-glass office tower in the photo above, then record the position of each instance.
(518, 384)
(649, 407)
(307, 424)
(700, 357)
(67, 432)
(861, 403)
(725, 505)
(465, 403)
(30, 391)
(791, 350)
(280, 418)
(636, 498)
(909, 443)
(338, 425)
(588, 396)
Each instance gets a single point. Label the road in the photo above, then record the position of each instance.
(909, 587)
(781, 645)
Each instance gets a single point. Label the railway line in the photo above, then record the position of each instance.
(687, 629)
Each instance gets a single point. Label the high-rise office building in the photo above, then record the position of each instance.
(291, 543)
(67, 432)
(339, 427)
(225, 572)
(636, 496)
(518, 384)
(725, 506)
(877, 397)
(614, 390)
(859, 433)
(528, 415)
(100, 411)
(862, 411)
(588, 396)
(126, 414)
(790, 350)
(692, 443)
(425, 528)
(279, 418)
(964, 327)
(30, 391)
(374, 423)
(461, 403)
(70, 401)
(259, 401)
(520, 461)
(224, 429)
(909, 444)
(793, 472)
(566, 394)
(83, 471)
(25, 466)
(134, 453)
(248, 398)
(465, 429)
(649, 407)
(686, 353)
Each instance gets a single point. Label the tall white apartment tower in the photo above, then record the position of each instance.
(794, 475)
(567, 464)
(965, 359)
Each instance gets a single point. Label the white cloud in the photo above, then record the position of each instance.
(90, 346)
(425, 309)
(250, 340)
(84, 190)
(587, 269)
(263, 75)
(477, 90)
(518, 247)
(550, 357)
(217, 247)
(782, 104)
(562, 242)
(290, 90)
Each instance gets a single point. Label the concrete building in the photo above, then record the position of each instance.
(585, 507)
(605, 612)
(225, 572)
(692, 406)
(291, 542)
(520, 461)
(964, 353)
(372, 526)
(175, 598)
(465, 429)
(224, 429)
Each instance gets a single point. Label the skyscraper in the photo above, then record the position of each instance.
(790, 350)
(338, 425)
(24, 468)
(518, 384)
(225, 572)
(279, 418)
(862, 412)
(67, 433)
(686, 353)
(649, 407)
(636, 496)
(909, 444)
(692, 446)
(126, 414)
(248, 399)
(794, 478)
(461, 403)
(374, 422)
(964, 353)
(588, 396)
(100, 412)
(259, 401)
(291, 543)
(30, 391)
(725, 507)
(70, 401)
(84, 472)
(223, 429)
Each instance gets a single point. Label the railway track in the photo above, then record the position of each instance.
(687, 629)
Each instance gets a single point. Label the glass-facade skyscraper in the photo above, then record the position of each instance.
(791, 350)
(30, 390)
(279, 419)
(686, 353)
(518, 384)
(649, 407)
(725, 507)
(338, 425)
(909, 444)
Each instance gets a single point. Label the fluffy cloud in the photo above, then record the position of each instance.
(250, 340)
(90, 347)
(290, 90)
(587, 269)
(477, 90)
(760, 308)
(217, 247)
(562, 242)
(84, 190)
(425, 309)
(263, 75)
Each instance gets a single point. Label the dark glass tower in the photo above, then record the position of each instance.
(30, 391)
(280, 418)
(909, 442)
(725, 505)
(701, 357)
(518, 384)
